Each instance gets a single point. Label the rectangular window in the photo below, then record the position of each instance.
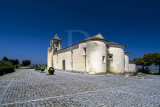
(103, 60)
(110, 56)
(84, 50)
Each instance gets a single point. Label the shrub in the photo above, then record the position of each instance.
(6, 67)
(14, 61)
(5, 58)
(51, 70)
(42, 69)
(36, 68)
(46, 65)
(26, 62)
(39, 68)
(134, 74)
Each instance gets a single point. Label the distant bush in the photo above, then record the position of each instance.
(42, 69)
(36, 68)
(26, 62)
(134, 74)
(46, 65)
(6, 67)
(14, 61)
(5, 58)
(39, 68)
(51, 70)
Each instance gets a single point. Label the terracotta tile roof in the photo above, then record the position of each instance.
(131, 61)
(127, 52)
(113, 43)
(96, 37)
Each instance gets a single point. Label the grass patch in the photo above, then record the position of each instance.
(134, 74)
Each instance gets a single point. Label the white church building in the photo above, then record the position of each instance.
(94, 55)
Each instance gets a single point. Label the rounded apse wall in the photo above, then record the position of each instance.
(126, 57)
(117, 64)
(96, 51)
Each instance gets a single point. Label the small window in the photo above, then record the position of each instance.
(103, 60)
(84, 51)
(110, 56)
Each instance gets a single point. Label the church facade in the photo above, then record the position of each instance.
(94, 55)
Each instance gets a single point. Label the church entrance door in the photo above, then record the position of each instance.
(63, 64)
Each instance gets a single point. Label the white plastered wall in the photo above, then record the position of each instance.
(95, 51)
(126, 57)
(117, 63)
(50, 57)
(132, 67)
(74, 59)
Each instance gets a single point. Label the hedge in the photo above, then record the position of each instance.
(5, 68)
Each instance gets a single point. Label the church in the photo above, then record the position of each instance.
(94, 55)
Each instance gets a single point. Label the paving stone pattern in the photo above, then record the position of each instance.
(30, 88)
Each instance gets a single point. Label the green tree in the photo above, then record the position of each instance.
(149, 58)
(156, 59)
(141, 62)
(46, 65)
(6, 67)
(26, 62)
(5, 58)
(14, 61)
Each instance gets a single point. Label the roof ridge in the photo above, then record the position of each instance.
(98, 36)
(114, 43)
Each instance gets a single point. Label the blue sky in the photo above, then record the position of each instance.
(26, 26)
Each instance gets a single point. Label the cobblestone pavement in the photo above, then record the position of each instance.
(30, 88)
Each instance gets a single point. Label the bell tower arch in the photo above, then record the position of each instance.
(55, 45)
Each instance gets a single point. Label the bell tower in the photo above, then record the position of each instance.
(55, 45)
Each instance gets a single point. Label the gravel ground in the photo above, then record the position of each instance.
(30, 88)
